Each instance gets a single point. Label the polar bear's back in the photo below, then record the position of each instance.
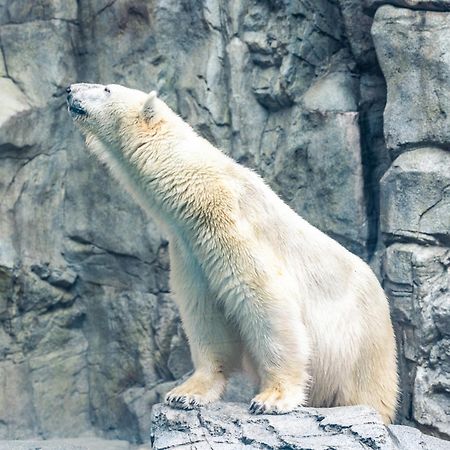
(317, 261)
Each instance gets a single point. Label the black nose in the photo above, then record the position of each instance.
(68, 90)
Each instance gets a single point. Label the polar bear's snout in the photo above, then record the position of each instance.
(74, 104)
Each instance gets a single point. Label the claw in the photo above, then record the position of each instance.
(257, 408)
(260, 409)
(183, 401)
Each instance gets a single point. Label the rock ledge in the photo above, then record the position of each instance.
(230, 426)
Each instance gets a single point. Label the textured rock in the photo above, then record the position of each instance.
(357, 23)
(40, 71)
(230, 426)
(427, 5)
(417, 280)
(66, 444)
(412, 48)
(416, 197)
(411, 438)
(14, 100)
(415, 204)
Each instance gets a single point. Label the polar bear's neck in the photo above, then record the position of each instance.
(119, 168)
(170, 177)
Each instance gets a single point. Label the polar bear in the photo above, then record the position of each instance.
(250, 277)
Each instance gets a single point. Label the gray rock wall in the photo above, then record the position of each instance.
(412, 47)
(89, 337)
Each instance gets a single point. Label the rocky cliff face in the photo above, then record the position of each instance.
(415, 202)
(89, 337)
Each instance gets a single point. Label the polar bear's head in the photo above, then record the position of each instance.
(112, 114)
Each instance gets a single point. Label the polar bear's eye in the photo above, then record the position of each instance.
(107, 90)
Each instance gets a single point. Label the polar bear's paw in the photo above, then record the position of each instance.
(184, 401)
(198, 390)
(277, 401)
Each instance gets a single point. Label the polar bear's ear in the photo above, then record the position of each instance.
(149, 105)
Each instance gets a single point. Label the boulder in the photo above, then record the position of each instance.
(427, 5)
(412, 48)
(417, 280)
(415, 197)
(230, 426)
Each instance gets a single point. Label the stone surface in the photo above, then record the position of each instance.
(14, 100)
(357, 23)
(66, 444)
(412, 48)
(415, 203)
(89, 335)
(231, 426)
(411, 438)
(427, 5)
(417, 280)
(416, 197)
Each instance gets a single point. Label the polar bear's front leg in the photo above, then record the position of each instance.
(215, 345)
(284, 375)
(215, 352)
(280, 347)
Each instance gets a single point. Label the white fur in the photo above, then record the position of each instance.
(249, 275)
